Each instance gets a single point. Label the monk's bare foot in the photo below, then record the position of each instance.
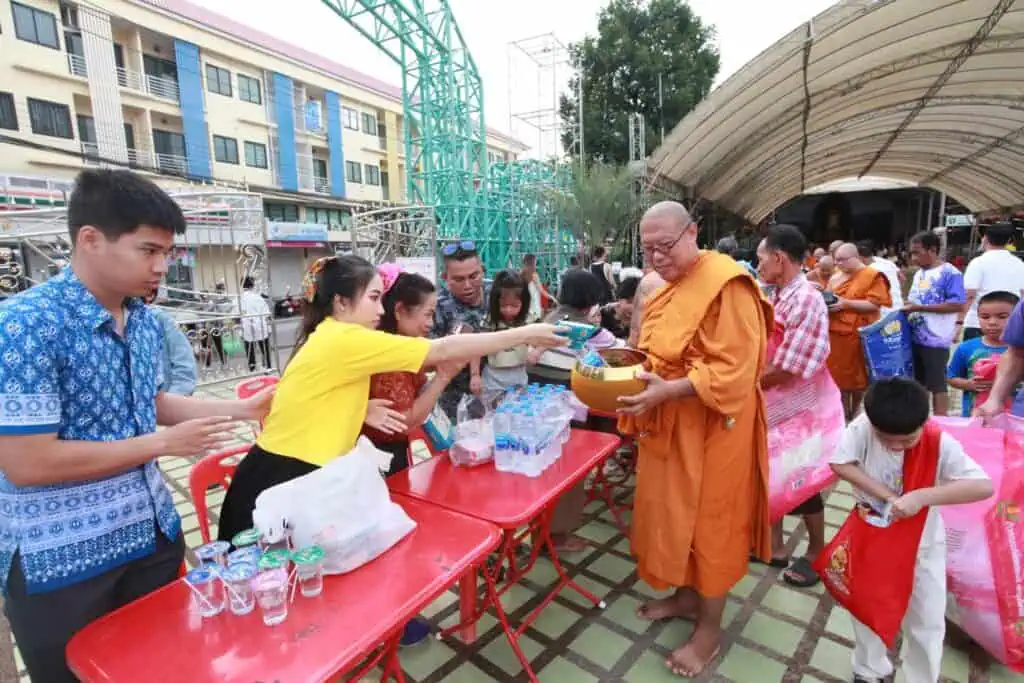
(675, 606)
(695, 656)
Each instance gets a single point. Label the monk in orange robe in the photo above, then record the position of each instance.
(701, 504)
(862, 292)
(822, 274)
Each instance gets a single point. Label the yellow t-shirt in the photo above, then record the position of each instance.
(321, 401)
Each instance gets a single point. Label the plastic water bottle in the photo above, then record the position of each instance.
(503, 461)
(532, 465)
(517, 441)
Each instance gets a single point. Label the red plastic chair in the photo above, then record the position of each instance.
(252, 386)
(211, 471)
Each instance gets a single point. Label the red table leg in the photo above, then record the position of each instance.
(468, 606)
(540, 530)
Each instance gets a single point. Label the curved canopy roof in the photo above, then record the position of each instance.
(930, 93)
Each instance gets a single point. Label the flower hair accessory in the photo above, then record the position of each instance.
(389, 273)
(309, 279)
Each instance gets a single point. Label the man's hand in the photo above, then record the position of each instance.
(383, 418)
(911, 308)
(907, 505)
(197, 437)
(533, 356)
(657, 392)
(476, 385)
(838, 306)
(257, 406)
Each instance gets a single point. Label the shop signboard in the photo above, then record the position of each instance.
(306, 235)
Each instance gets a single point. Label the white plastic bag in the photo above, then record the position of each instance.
(344, 507)
(474, 433)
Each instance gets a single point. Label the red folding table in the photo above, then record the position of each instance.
(512, 502)
(359, 615)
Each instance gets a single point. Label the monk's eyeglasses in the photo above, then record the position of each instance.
(664, 249)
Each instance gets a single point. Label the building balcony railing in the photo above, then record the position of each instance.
(142, 158)
(321, 185)
(76, 65)
(157, 86)
(160, 86)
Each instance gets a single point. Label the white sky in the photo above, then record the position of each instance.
(745, 28)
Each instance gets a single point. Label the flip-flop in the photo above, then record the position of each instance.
(774, 563)
(801, 567)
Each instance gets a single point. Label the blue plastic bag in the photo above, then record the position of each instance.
(887, 347)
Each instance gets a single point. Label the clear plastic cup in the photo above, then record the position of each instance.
(207, 591)
(271, 590)
(247, 555)
(238, 579)
(282, 544)
(244, 539)
(213, 554)
(280, 555)
(309, 568)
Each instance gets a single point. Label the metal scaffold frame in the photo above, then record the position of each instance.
(506, 210)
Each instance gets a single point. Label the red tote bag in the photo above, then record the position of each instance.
(870, 570)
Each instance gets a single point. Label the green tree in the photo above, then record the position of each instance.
(599, 203)
(637, 40)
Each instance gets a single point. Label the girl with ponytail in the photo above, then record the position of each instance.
(323, 400)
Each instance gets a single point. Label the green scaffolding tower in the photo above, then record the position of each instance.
(507, 208)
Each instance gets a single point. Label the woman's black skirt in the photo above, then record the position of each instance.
(258, 471)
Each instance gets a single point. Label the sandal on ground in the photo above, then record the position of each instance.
(801, 574)
(774, 563)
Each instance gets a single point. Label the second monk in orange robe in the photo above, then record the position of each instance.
(701, 504)
(862, 292)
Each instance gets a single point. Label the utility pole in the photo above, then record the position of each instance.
(661, 108)
(579, 108)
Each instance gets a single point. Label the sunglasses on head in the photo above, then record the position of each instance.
(456, 247)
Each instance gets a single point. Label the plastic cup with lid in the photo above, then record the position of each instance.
(248, 555)
(213, 554)
(309, 568)
(238, 579)
(207, 591)
(271, 590)
(244, 539)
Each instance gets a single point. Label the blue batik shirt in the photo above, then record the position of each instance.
(65, 370)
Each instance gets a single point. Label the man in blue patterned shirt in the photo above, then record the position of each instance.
(86, 521)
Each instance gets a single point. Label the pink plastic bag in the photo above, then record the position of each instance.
(985, 369)
(985, 541)
(805, 426)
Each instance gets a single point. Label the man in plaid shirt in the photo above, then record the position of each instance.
(801, 312)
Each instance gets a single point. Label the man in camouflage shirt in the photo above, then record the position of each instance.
(461, 308)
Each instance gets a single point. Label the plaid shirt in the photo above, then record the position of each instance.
(801, 310)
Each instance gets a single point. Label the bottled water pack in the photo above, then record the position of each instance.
(530, 427)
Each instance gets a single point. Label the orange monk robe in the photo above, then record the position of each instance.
(846, 357)
(701, 503)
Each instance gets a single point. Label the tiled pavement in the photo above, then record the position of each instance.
(774, 633)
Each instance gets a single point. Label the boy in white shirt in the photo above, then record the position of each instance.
(870, 457)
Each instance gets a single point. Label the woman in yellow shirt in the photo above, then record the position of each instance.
(321, 402)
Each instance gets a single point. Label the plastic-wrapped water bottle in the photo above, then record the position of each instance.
(517, 440)
(503, 456)
(531, 445)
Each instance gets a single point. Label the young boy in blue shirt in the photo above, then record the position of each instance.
(994, 311)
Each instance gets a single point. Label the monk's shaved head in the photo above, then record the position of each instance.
(668, 211)
(835, 245)
(848, 258)
(826, 263)
(819, 253)
(669, 239)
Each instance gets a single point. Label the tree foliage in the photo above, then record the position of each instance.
(599, 203)
(638, 40)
